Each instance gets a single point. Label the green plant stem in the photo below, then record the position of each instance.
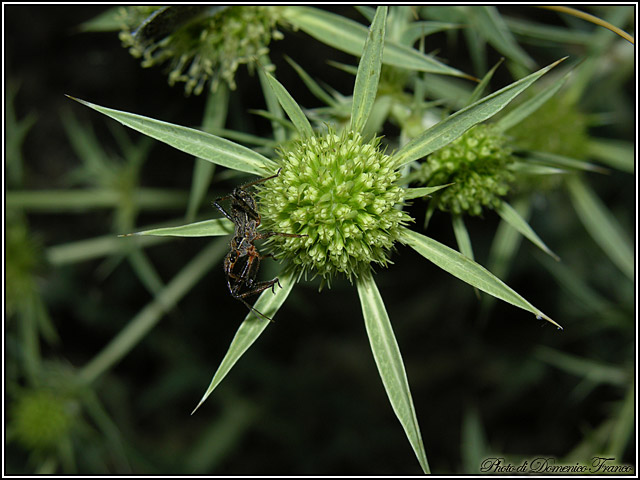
(91, 248)
(84, 199)
(149, 316)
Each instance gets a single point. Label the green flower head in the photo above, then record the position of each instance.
(476, 164)
(556, 127)
(341, 192)
(200, 43)
(41, 419)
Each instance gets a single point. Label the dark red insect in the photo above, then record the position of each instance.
(243, 261)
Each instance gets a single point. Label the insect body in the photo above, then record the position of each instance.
(243, 261)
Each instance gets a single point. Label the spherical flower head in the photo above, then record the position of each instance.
(476, 163)
(208, 47)
(556, 127)
(341, 193)
(40, 419)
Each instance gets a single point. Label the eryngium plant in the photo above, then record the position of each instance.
(199, 43)
(345, 193)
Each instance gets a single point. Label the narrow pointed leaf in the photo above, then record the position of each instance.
(624, 426)
(108, 21)
(506, 241)
(511, 216)
(614, 153)
(474, 448)
(268, 304)
(276, 120)
(464, 241)
(349, 36)
(522, 111)
(311, 84)
(242, 137)
(207, 228)
(595, 20)
(84, 250)
(562, 162)
(200, 181)
(273, 105)
(462, 236)
(455, 125)
(389, 362)
(145, 270)
(576, 287)
(488, 22)
(194, 142)
(422, 191)
(366, 12)
(602, 225)
(503, 250)
(468, 271)
(350, 69)
(290, 106)
(416, 30)
(522, 168)
(477, 49)
(85, 144)
(546, 35)
(480, 88)
(378, 116)
(366, 86)
(586, 368)
(215, 116)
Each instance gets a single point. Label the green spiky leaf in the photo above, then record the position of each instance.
(349, 36)
(468, 271)
(268, 304)
(455, 125)
(207, 228)
(602, 225)
(290, 106)
(389, 362)
(194, 142)
(366, 86)
(511, 216)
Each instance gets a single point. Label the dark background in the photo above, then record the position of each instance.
(306, 398)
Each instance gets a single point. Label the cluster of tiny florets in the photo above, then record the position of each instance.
(41, 419)
(210, 48)
(555, 127)
(476, 164)
(341, 192)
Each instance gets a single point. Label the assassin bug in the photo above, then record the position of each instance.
(243, 261)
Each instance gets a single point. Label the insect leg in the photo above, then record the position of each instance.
(260, 180)
(256, 311)
(219, 207)
(259, 287)
(250, 209)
